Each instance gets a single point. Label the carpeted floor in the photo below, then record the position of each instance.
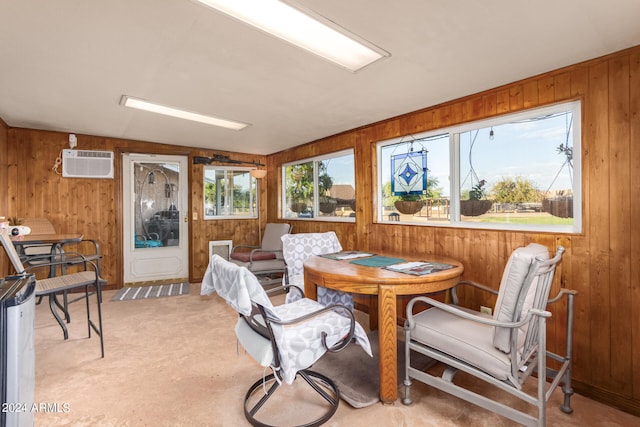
(174, 362)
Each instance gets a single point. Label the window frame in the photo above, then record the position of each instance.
(253, 189)
(454, 131)
(283, 200)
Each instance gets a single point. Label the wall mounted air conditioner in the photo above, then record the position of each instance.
(87, 164)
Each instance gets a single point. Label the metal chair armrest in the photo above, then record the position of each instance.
(243, 247)
(340, 344)
(454, 295)
(560, 294)
(61, 259)
(466, 315)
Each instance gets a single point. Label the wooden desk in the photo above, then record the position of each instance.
(353, 278)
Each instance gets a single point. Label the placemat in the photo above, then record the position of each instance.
(377, 261)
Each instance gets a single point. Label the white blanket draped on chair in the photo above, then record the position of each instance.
(296, 248)
(300, 345)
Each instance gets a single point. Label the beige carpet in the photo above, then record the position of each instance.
(174, 362)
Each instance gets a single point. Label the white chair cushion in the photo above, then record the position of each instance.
(256, 345)
(466, 340)
(513, 278)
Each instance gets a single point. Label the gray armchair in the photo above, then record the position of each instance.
(265, 261)
(503, 350)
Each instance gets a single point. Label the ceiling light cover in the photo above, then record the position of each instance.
(307, 30)
(258, 173)
(141, 104)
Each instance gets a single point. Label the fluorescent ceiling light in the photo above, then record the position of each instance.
(141, 104)
(306, 30)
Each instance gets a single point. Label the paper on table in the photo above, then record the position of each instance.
(419, 268)
(347, 255)
(405, 265)
(352, 255)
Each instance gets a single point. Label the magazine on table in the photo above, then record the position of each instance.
(347, 255)
(419, 268)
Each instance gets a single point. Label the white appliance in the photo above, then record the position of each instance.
(17, 353)
(87, 164)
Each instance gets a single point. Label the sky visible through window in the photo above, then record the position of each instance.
(527, 149)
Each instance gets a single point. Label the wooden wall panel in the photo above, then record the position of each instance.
(620, 222)
(4, 268)
(93, 207)
(601, 263)
(634, 252)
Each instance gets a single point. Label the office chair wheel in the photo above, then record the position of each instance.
(322, 385)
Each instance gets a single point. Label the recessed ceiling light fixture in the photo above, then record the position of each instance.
(141, 104)
(307, 30)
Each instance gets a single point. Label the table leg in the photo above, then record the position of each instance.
(388, 344)
(310, 286)
(373, 312)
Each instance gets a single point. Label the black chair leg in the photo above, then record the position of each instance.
(324, 386)
(52, 306)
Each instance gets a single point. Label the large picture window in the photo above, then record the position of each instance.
(229, 193)
(519, 171)
(320, 188)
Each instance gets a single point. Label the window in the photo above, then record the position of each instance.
(519, 172)
(320, 188)
(229, 193)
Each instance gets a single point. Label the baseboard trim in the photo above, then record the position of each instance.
(623, 403)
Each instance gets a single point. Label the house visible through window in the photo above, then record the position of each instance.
(320, 188)
(519, 171)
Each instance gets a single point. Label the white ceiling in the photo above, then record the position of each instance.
(65, 64)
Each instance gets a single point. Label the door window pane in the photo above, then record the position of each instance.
(156, 209)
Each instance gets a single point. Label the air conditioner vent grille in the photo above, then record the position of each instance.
(102, 154)
(87, 164)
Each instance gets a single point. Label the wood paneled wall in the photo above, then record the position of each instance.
(602, 263)
(93, 207)
(3, 191)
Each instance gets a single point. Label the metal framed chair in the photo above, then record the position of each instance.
(34, 255)
(503, 350)
(265, 261)
(288, 339)
(60, 284)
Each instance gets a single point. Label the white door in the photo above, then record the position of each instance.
(155, 218)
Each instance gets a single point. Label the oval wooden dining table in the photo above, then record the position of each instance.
(344, 276)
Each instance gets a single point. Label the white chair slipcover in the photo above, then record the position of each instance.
(296, 248)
